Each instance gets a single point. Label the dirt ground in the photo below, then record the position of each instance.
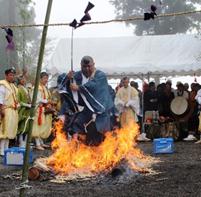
(178, 174)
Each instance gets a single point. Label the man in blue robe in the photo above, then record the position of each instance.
(90, 91)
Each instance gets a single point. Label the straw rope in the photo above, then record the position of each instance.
(134, 18)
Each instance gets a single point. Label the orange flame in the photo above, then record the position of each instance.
(71, 156)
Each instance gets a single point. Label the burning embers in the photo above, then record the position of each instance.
(75, 157)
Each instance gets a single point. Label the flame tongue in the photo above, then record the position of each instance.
(71, 156)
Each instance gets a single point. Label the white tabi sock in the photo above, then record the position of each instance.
(69, 137)
(41, 141)
(25, 141)
(22, 143)
(37, 140)
(2, 145)
(21, 139)
(6, 146)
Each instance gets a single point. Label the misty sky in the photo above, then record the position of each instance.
(66, 11)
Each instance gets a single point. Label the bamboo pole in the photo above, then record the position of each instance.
(33, 105)
(72, 48)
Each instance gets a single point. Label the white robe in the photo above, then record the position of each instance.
(127, 104)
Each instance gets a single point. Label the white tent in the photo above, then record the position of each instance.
(175, 54)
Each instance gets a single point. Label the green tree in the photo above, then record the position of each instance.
(159, 26)
(26, 39)
(7, 16)
(29, 39)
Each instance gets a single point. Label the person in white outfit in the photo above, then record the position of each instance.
(198, 99)
(8, 110)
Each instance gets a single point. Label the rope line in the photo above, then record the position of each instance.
(23, 185)
(135, 18)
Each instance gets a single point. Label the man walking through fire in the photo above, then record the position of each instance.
(89, 90)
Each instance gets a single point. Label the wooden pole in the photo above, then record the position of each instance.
(72, 48)
(23, 48)
(33, 105)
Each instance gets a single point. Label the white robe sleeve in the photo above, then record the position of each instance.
(119, 104)
(2, 94)
(134, 104)
(39, 98)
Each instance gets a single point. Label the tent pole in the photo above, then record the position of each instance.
(148, 77)
(33, 105)
(142, 100)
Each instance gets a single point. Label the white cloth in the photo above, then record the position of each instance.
(40, 98)
(2, 146)
(190, 137)
(184, 94)
(75, 94)
(2, 94)
(133, 103)
(84, 79)
(198, 97)
(142, 137)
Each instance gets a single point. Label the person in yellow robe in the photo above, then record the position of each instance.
(43, 118)
(8, 110)
(127, 103)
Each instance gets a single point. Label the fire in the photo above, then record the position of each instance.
(71, 156)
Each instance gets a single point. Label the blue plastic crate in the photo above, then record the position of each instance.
(15, 156)
(163, 145)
